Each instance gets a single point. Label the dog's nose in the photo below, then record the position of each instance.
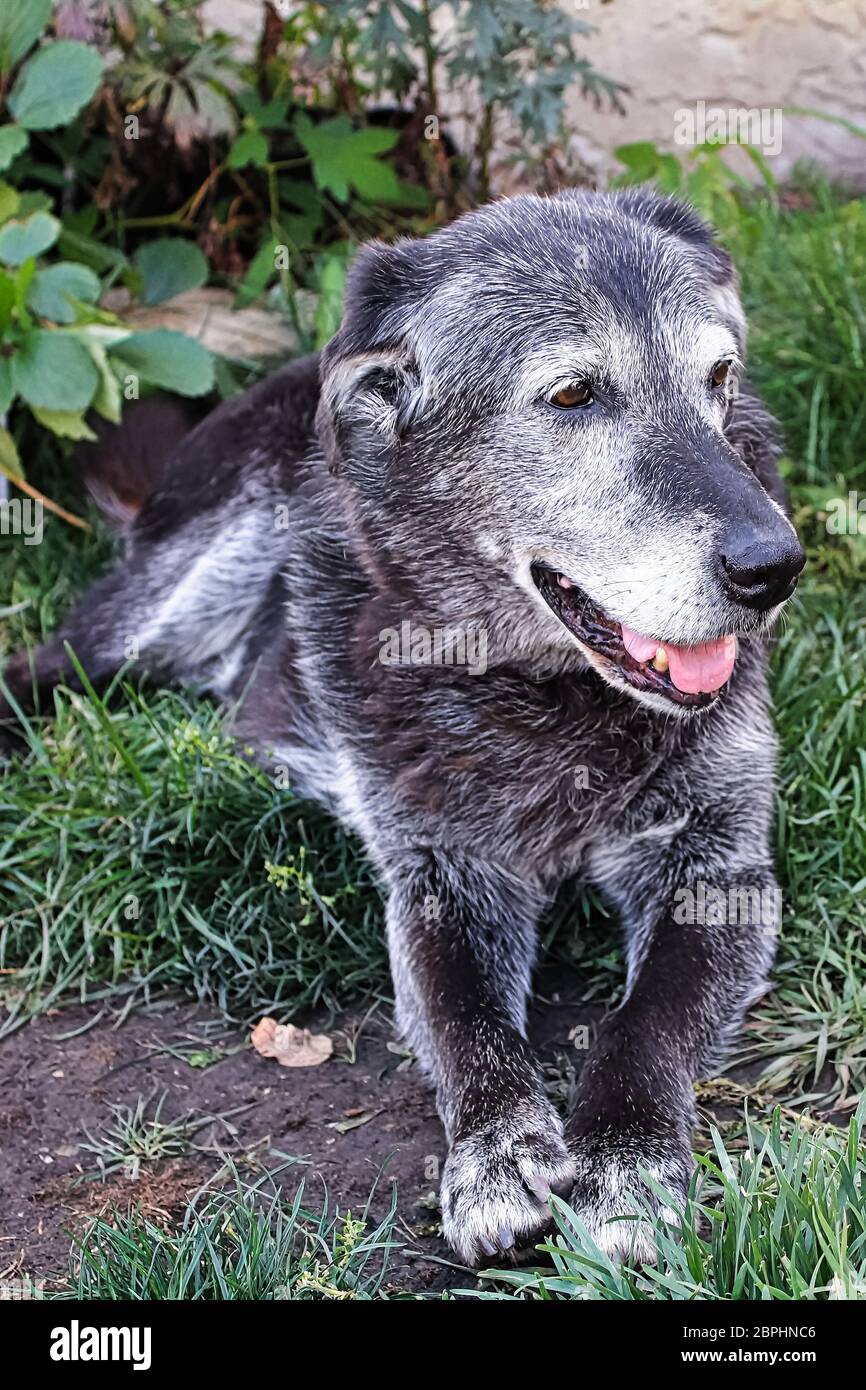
(760, 571)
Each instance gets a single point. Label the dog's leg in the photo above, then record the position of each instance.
(702, 936)
(461, 935)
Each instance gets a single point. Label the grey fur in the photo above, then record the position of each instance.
(436, 475)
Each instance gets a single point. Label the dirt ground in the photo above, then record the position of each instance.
(56, 1093)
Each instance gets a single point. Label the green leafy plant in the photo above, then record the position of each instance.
(61, 355)
(517, 58)
(702, 176)
(283, 166)
(171, 67)
(51, 86)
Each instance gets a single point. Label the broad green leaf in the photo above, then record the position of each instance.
(412, 195)
(21, 240)
(52, 288)
(260, 271)
(374, 139)
(55, 84)
(169, 266)
(93, 253)
(168, 359)
(12, 141)
(641, 156)
(32, 201)
(250, 148)
(332, 283)
(7, 299)
(266, 114)
(344, 158)
(21, 282)
(21, 24)
(52, 370)
(9, 201)
(68, 424)
(107, 401)
(376, 182)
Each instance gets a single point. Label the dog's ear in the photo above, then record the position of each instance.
(370, 384)
(681, 221)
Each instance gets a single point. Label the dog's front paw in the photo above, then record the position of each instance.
(497, 1181)
(614, 1202)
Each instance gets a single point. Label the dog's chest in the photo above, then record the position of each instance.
(524, 771)
(488, 761)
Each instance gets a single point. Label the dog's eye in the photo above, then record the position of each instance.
(719, 374)
(574, 396)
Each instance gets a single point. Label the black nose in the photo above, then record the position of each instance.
(760, 571)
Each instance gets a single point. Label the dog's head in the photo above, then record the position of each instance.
(532, 410)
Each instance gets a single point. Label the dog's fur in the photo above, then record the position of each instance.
(415, 471)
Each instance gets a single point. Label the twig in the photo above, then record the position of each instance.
(46, 501)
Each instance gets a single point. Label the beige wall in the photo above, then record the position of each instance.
(732, 53)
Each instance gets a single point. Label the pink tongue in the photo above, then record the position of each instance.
(693, 670)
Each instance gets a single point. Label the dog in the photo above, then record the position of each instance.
(529, 440)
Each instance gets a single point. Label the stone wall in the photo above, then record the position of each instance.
(734, 54)
(747, 54)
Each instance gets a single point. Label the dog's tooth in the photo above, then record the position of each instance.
(660, 660)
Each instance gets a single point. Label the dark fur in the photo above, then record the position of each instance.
(477, 795)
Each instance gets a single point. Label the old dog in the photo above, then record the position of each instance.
(494, 577)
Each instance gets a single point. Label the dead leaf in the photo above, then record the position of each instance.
(290, 1046)
(343, 1126)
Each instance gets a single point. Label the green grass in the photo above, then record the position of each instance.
(236, 1245)
(783, 1219)
(804, 284)
(138, 862)
(137, 1136)
(777, 1214)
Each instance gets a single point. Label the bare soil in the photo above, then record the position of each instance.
(56, 1092)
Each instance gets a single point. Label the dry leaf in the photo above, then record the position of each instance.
(344, 1126)
(290, 1046)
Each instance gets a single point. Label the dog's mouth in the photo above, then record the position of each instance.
(688, 676)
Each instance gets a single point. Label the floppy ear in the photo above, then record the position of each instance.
(370, 386)
(680, 220)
